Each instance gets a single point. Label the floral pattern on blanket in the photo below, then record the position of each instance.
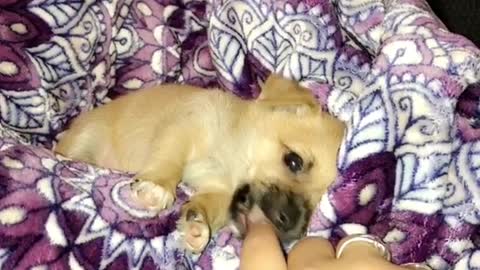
(409, 167)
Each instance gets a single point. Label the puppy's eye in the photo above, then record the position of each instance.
(293, 161)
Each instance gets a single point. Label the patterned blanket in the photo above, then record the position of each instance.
(409, 166)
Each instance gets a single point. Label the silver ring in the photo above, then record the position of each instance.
(372, 240)
(416, 266)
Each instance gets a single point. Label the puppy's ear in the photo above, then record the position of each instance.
(281, 94)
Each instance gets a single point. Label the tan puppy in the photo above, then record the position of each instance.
(214, 142)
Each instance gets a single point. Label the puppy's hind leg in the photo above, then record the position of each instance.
(203, 216)
(82, 142)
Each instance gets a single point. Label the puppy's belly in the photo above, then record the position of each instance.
(124, 159)
(107, 158)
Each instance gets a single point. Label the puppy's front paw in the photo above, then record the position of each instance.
(194, 229)
(151, 195)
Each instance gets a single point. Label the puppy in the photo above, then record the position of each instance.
(213, 141)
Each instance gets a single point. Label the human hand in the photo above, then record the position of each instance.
(262, 250)
(315, 253)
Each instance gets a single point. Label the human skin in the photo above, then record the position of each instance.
(317, 253)
(262, 250)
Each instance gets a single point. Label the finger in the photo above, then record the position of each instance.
(256, 215)
(261, 249)
(311, 253)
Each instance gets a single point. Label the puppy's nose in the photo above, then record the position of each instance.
(287, 210)
(283, 220)
(285, 215)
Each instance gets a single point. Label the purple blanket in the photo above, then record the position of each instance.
(408, 89)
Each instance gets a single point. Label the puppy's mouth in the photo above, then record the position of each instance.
(287, 211)
(241, 206)
(247, 217)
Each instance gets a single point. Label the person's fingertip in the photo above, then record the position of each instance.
(310, 250)
(317, 243)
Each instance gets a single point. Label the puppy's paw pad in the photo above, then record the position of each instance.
(151, 195)
(195, 230)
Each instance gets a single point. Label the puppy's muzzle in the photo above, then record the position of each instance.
(288, 211)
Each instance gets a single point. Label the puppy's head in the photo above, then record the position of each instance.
(292, 158)
(295, 143)
(288, 211)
